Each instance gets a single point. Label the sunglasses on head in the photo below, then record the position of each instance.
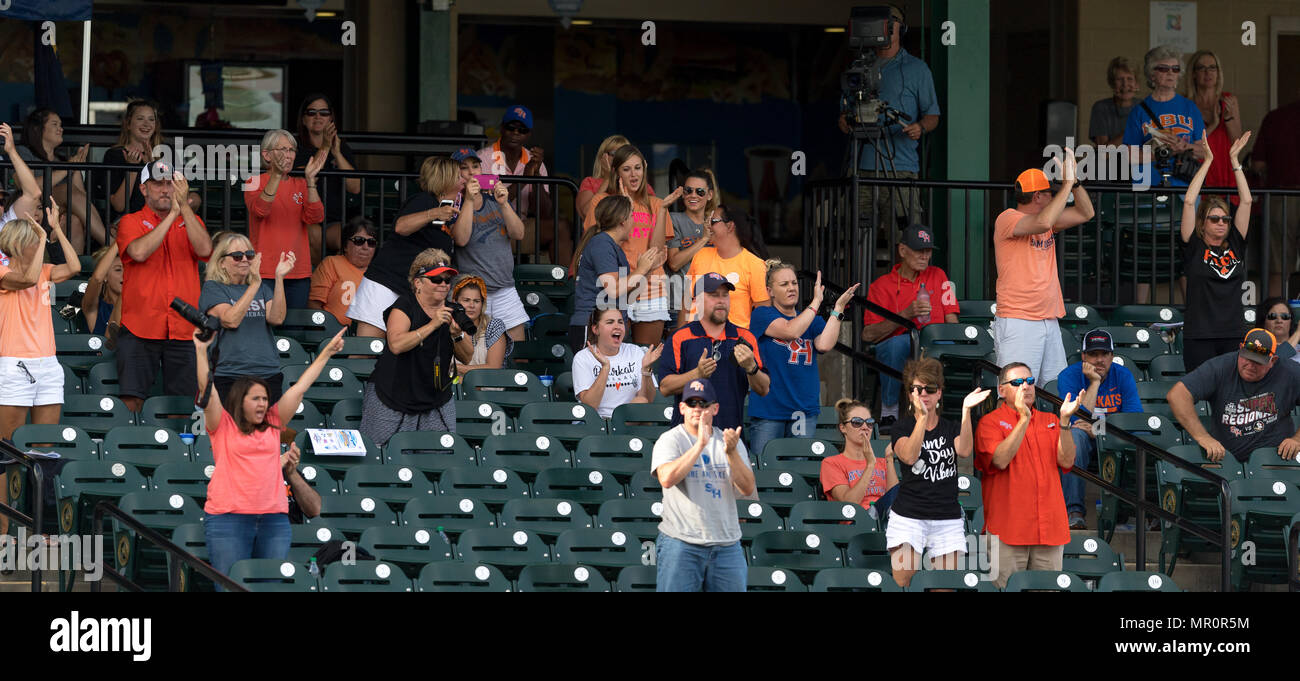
(514, 127)
(1163, 68)
(929, 389)
(238, 256)
(699, 191)
(858, 422)
(696, 403)
(316, 112)
(1017, 382)
(1274, 316)
(1218, 219)
(365, 241)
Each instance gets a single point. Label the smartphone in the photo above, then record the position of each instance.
(487, 182)
(444, 202)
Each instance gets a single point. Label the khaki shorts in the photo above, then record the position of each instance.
(1015, 558)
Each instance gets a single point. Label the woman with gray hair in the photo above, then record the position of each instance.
(279, 210)
(1106, 123)
(1166, 120)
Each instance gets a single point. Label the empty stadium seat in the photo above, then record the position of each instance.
(1090, 557)
(782, 489)
(798, 455)
(353, 514)
(868, 550)
(358, 355)
(95, 414)
(307, 416)
(461, 577)
(333, 385)
(365, 577)
(308, 327)
(454, 514)
(1145, 315)
(162, 512)
(306, 540)
(637, 578)
(1262, 509)
(509, 389)
(840, 580)
(1166, 368)
(493, 486)
(1044, 580)
(394, 485)
(1116, 459)
(183, 477)
(647, 421)
(547, 518)
(191, 538)
(606, 549)
(561, 578)
(589, 487)
(645, 485)
(562, 388)
(346, 414)
(318, 479)
(1266, 463)
(1081, 317)
(170, 411)
(80, 351)
(409, 547)
(1139, 343)
(618, 454)
(82, 484)
(523, 453)
(477, 420)
(429, 451)
(291, 352)
(544, 357)
(638, 517)
(755, 518)
(271, 575)
(145, 447)
(795, 550)
(568, 422)
(967, 341)
(69, 441)
(1136, 581)
(834, 520)
(503, 548)
(954, 580)
(1191, 498)
(763, 578)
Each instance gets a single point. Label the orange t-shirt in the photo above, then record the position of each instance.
(28, 328)
(1023, 503)
(841, 470)
(334, 283)
(745, 271)
(638, 242)
(1028, 286)
(148, 287)
(281, 226)
(247, 477)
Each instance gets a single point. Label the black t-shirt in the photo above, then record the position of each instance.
(392, 263)
(135, 199)
(420, 379)
(1214, 278)
(333, 191)
(1246, 415)
(928, 489)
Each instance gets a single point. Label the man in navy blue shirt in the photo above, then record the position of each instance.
(715, 349)
(1109, 388)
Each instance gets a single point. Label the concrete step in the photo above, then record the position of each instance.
(1125, 542)
(1199, 577)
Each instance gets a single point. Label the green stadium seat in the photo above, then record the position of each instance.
(1166, 368)
(319, 479)
(547, 518)
(609, 549)
(550, 326)
(453, 577)
(1044, 580)
(162, 512)
(1191, 498)
(507, 549)
(353, 514)
(545, 357)
(637, 579)
(1145, 315)
(1136, 581)
(954, 580)
(358, 355)
(526, 454)
(801, 551)
(82, 484)
(1138, 343)
(394, 485)
(145, 447)
(509, 389)
(828, 426)
(762, 578)
(346, 415)
(562, 388)
(191, 538)
(492, 486)
(477, 420)
(69, 441)
(454, 514)
(334, 384)
(1262, 509)
(538, 305)
(645, 485)
(868, 551)
(975, 525)
(621, 455)
(755, 518)
(646, 421)
(1070, 342)
(589, 487)
(307, 416)
(307, 539)
(171, 411)
(798, 455)
(72, 383)
(1116, 460)
(366, 577)
(970, 495)
(637, 517)
(569, 422)
(308, 327)
(291, 352)
(183, 477)
(840, 580)
(430, 452)
(1081, 317)
(81, 351)
(409, 547)
(1267, 464)
(336, 466)
(1153, 392)
(95, 414)
(978, 311)
(782, 489)
(561, 578)
(101, 379)
(1090, 558)
(966, 341)
(836, 521)
(271, 575)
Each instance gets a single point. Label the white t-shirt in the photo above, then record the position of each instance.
(623, 382)
(701, 509)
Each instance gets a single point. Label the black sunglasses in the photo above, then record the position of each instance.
(714, 221)
(858, 422)
(1220, 219)
(364, 241)
(439, 280)
(1017, 382)
(514, 127)
(238, 256)
(696, 403)
(1274, 316)
(316, 112)
(1167, 69)
(929, 389)
(699, 191)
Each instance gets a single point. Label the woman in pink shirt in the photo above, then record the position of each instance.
(279, 210)
(247, 507)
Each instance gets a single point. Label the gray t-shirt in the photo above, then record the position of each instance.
(1247, 415)
(685, 232)
(701, 509)
(1108, 119)
(248, 349)
(488, 252)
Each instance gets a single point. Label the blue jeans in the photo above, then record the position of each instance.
(687, 567)
(893, 352)
(763, 430)
(1071, 484)
(296, 292)
(233, 537)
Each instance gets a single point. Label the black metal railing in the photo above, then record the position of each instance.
(34, 522)
(152, 536)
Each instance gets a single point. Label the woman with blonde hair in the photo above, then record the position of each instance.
(425, 222)
(1220, 111)
(492, 345)
(597, 184)
(140, 135)
(603, 276)
(247, 307)
(857, 475)
(99, 303)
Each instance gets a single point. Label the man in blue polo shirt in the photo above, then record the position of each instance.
(716, 349)
(906, 85)
(1109, 388)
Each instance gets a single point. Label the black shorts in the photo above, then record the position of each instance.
(138, 360)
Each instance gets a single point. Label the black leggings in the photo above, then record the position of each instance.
(1196, 351)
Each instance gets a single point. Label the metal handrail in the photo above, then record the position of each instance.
(37, 519)
(1293, 557)
(199, 565)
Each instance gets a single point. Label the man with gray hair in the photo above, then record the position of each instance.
(1166, 120)
(279, 210)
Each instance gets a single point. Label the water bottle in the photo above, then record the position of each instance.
(924, 296)
(313, 569)
(444, 536)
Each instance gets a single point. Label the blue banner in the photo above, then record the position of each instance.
(46, 10)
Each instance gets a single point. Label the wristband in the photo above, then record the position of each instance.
(837, 314)
(755, 371)
(1236, 168)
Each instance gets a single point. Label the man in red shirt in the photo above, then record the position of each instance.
(901, 291)
(160, 246)
(1021, 452)
(1276, 159)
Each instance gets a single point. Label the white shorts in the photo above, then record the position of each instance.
(36, 383)
(505, 304)
(649, 310)
(941, 537)
(370, 302)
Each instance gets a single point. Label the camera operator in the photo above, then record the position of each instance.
(907, 87)
(1168, 121)
(236, 294)
(411, 387)
(160, 246)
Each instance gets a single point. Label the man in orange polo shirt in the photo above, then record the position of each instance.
(160, 246)
(1021, 452)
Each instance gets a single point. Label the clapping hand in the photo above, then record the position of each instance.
(843, 301)
(744, 357)
(730, 436)
(1068, 167)
(180, 188)
(707, 365)
(54, 219)
(36, 224)
(819, 291)
(974, 398)
(1235, 151)
(919, 410)
(600, 356)
(651, 356)
(1019, 401)
(706, 426)
(80, 155)
(672, 198)
(314, 165)
(8, 134)
(1070, 406)
(285, 266)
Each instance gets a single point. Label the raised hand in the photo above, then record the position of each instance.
(255, 263)
(651, 356)
(672, 198)
(707, 365)
(819, 291)
(600, 356)
(975, 397)
(744, 357)
(180, 188)
(1235, 151)
(335, 345)
(706, 425)
(842, 302)
(8, 134)
(314, 165)
(80, 156)
(1022, 407)
(289, 459)
(919, 410)
(54, 219)
(133, 155)
(285, 266)
(36, 224)
(501, 193)
(1068, 169)
(1070, 406)
(730, 436)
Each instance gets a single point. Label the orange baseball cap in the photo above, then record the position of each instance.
(1033, 180)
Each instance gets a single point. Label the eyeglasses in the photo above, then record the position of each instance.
(929, 389)
(283, 150)
(514, 127)
(439, 280)
(1017, 382)
(1164, 68)
(1218, 219)
(858, 422)
(317, 112)
(1206, 67)
(364, 241)
(699, 191)
(1274, 316)
(714, 221)
(696, 403)
(238, 256)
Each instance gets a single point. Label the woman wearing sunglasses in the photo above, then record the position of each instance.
(334, 283)
(1276, 316)
(1165, 118)
(926, 515)
(247, 306)
(691, 227)
(857, 475)
(1214, 262)
(318, 136)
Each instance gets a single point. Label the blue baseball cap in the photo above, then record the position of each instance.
(463, 153)
(518, 112)
(699, 387)
(708, 283)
